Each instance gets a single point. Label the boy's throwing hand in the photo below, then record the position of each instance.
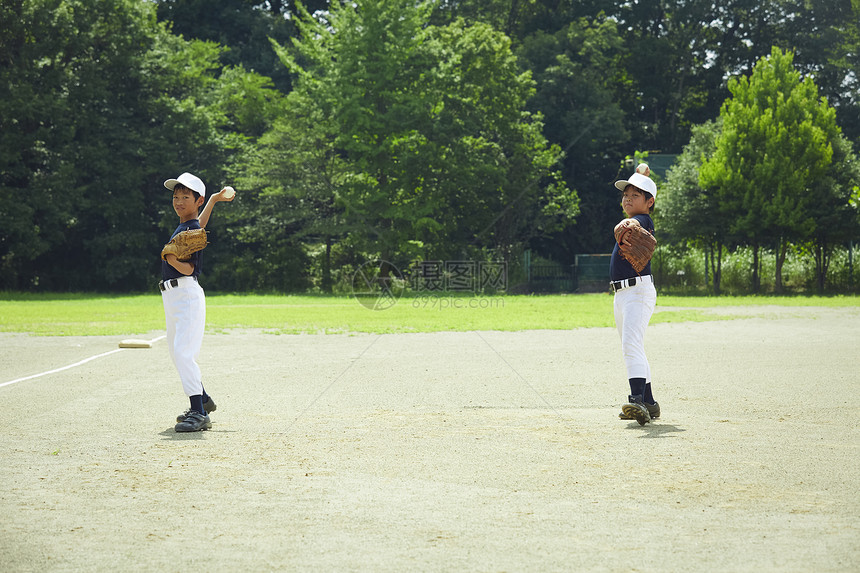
(225, 194)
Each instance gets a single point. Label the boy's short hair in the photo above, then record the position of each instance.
(181, 187)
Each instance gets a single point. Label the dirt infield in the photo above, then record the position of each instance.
(478, 451)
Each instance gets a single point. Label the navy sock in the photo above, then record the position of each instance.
(649, 398)
(206, 397)
(637, 387)
(197, 404)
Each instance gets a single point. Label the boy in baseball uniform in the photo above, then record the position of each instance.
(635, 298)
(185, 303)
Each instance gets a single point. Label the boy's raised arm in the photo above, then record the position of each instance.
(225, 194)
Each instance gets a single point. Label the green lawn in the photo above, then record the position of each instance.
(85, 315)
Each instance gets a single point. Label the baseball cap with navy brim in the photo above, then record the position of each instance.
(191, 181)
(640, 181)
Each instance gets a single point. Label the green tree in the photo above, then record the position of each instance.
(98, 105)
(242, 27)
(674, 84)
(297, 174)
(439, 155)
(834, 217)
(774, 145)
(578, 74)
(690, 213)
(494, 172)
(69, 181)
(823, 35)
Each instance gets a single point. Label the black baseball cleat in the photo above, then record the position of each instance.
(193, 422)
(637, 410)
(208, 406)
(653, 411)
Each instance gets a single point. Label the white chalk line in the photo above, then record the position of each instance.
(84, 361)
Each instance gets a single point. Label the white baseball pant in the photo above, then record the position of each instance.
(185, 316)
(633, 308)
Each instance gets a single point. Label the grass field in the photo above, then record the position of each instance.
(85, 315)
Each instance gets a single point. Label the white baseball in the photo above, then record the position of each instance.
(643, 169)
(229, 193)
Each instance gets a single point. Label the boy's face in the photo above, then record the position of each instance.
(184, 203)
(634, 203)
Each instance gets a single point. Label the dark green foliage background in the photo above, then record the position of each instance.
(451, 130)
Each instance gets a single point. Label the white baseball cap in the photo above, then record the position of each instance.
(191, 181)
(640, 181)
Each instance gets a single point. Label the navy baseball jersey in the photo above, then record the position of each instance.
(619, 267)
(167, 271)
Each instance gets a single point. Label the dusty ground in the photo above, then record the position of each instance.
(480, 451)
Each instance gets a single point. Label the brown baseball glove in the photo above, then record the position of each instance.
(635, 243)
(185, 244)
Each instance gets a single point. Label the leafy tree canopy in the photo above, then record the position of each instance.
(439, 153)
